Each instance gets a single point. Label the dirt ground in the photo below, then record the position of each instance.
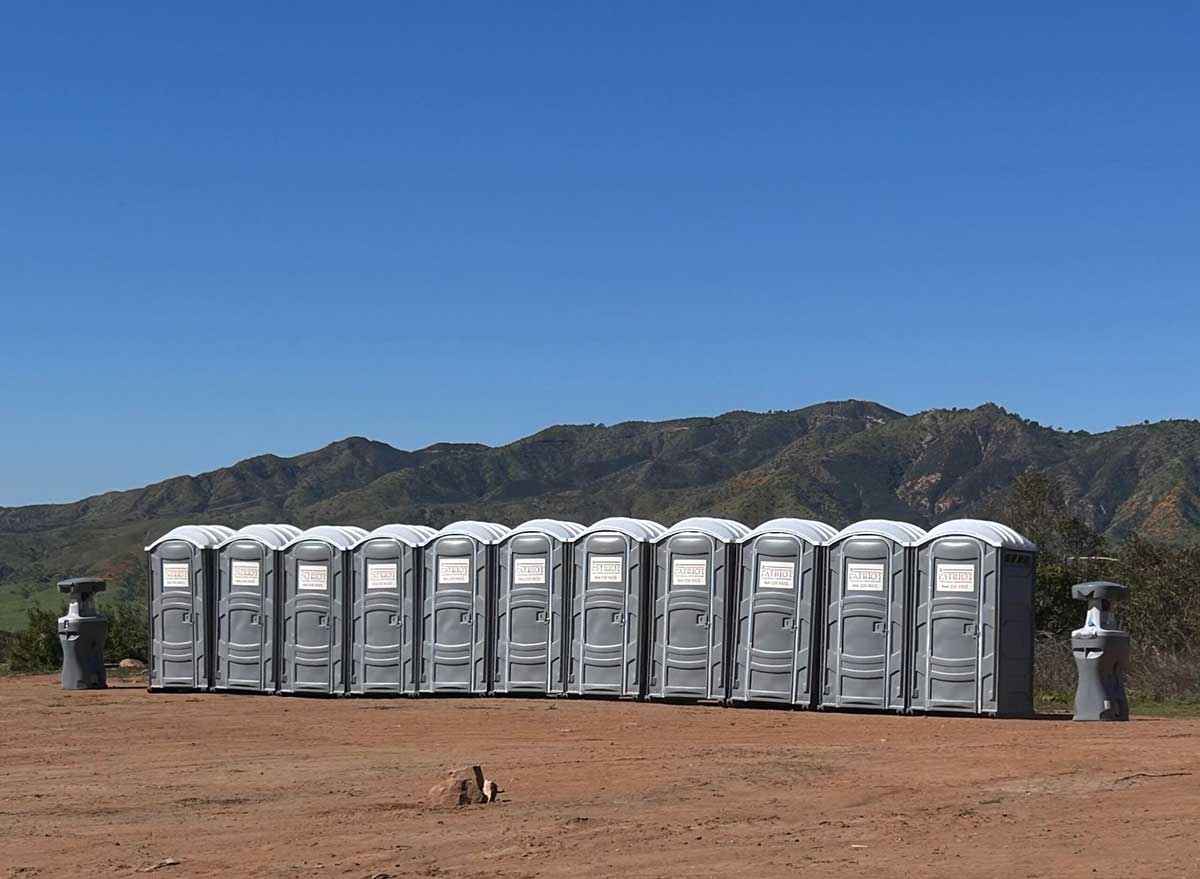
(121, 782)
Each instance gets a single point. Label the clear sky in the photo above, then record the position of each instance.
(234, 228)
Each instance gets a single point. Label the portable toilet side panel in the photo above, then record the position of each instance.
(314, 592)
(383, 625)
(865, 633)
(1015, 636)
(607, 586)
(773, 650)
(246, 590)
(973, 625)
(531, 571)
(179, 575)
(454, 616)
(691, 583)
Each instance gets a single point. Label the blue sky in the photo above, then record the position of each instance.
(229, 229)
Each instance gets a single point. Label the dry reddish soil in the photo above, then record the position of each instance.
(121, 782)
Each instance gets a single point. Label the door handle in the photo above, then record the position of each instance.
(969, 629)
(616, 618)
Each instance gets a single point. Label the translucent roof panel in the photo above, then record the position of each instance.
(901, 532)
(410, 535)
(484, 532)
(200, 536)
(992, 533)
(556, 528)
(638, 529)
(726, 530)
(270, 536)
(806, 529)
(341, 536)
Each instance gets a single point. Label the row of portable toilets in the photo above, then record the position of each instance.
(880, 615)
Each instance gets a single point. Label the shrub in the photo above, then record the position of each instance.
(36, 649)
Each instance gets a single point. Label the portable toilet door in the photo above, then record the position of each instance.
(385, 572)
(532, 566)
(316, 574)
(694, 570)
(611, 562)
(774, 648)
(456, 608)
(866, 632)
(973, 627)
(179, 575)
(247, 574)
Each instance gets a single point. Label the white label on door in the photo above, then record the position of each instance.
(955, 578)
(529, 572)
(689, 572)
(175, 575)
(244, 573)
(606, 568)
(312, 578)
(864, 577)
(776, 575)
(381, 576)
(454, 571)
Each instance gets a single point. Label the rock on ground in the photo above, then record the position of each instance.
(464, 787)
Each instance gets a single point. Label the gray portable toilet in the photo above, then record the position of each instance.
(775, 633)
(385, 576)
(533, 562)
(868, 566)
(247, 589)
(314, 593)
(612, 564)
(456, 608)
(973, 628)
(695, 568)
(180, 571)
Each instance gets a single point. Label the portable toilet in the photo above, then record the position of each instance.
(456, 608)
(316, 578)
(612, 565)
(695, 568)
(775, 632)
(866, 635)
(179, 575)
(533, 562)
(248, 570)
(385, 576)
(973, 632)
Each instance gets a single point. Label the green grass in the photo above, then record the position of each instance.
(14, 606)
(1053, 703)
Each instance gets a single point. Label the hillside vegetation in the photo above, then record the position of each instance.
(1133, 492)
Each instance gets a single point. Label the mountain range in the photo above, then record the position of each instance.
(837, 462)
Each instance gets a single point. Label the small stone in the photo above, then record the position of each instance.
(165, 862)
